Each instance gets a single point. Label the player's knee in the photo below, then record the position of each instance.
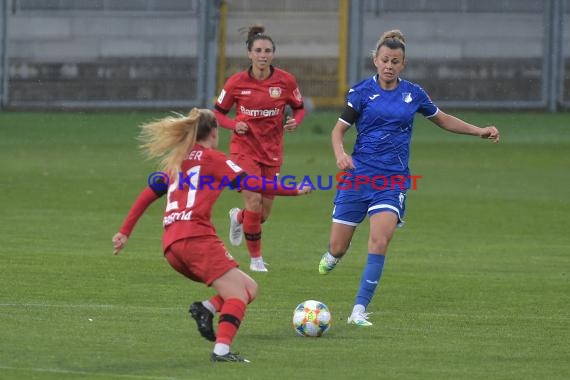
(251, 291)
(253, 202)
(266, 211)
(378, 243)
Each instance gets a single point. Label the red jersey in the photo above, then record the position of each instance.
(260, 104)
(204, 174)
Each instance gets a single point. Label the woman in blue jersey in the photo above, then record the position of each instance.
(377, 175)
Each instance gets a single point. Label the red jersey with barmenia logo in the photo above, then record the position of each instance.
(260, 104)
(204, 174)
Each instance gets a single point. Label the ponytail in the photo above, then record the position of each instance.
(257, 32)
(171, 138)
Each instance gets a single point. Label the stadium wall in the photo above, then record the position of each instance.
(471, 54)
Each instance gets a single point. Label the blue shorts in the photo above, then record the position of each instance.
(351, 206)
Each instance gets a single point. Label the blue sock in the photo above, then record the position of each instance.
(370, 279)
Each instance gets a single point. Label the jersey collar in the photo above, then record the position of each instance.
(250, 72)
(375, 77)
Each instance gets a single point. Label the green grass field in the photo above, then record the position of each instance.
(476, 285)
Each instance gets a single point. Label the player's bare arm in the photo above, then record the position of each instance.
(453, 124)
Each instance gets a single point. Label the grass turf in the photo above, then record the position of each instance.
(476, 285)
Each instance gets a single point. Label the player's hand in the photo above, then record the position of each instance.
(490, 133)
(241, 128)
(306, 189)
(345, 162)
(119, 241)
(290, 124)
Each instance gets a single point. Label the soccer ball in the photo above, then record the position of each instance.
(311, 318)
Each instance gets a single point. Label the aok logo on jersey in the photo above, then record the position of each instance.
(275, 92)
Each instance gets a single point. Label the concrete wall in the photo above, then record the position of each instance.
(88, 36)
(467, 56)
(145, 55)
(102, 56)
(462, 35)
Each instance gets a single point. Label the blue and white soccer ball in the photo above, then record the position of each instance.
(311, 318)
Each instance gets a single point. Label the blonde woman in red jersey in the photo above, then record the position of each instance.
(190, 244)
(260, 95)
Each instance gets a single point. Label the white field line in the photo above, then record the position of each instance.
(88, 306)
(71, 372)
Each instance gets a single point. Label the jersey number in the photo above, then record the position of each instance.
(194, 174)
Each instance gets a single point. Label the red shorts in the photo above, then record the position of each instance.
(201, 259)
(255, 168)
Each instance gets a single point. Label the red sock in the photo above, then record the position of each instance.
(231, 316)
(217, 301)
(252, 232)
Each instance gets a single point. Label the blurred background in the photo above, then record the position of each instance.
(91, 54)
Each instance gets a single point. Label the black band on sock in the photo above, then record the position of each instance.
(252, 237)
(230, 319)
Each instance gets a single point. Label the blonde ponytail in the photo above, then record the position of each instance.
(170, 139)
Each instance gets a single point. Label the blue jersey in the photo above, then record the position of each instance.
(384, 123)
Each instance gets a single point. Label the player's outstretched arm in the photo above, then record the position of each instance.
(490, 133)
(145, 199)
(453, 124)
(119, 241)
(304, 190)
